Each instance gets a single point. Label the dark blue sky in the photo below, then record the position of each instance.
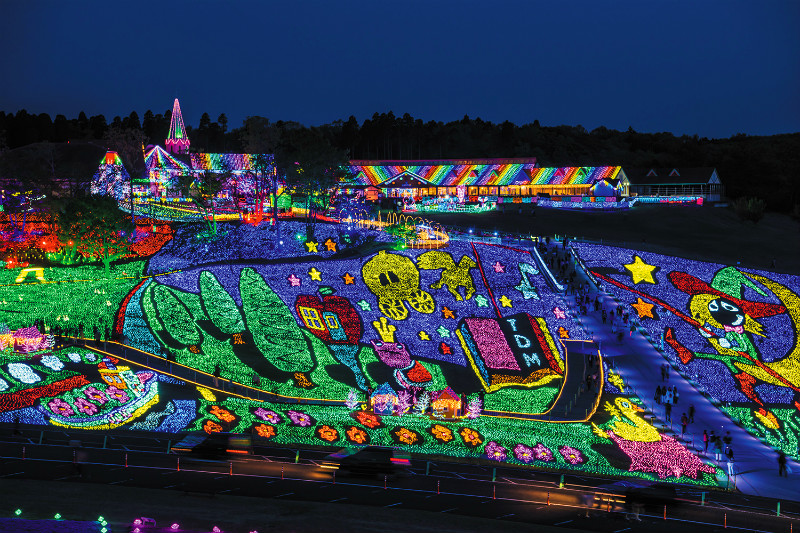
(714, 68)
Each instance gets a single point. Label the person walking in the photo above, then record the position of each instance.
(684, 423)
(782, 464)
(657, 397)
(717, 448)
(668, 408)
(705, 442)
(727, 439)
(729, 455)
(217, 373)
(691, 413)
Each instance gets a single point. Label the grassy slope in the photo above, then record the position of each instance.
(82, 293)
(701, 233)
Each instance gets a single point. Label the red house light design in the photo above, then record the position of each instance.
(446, 403)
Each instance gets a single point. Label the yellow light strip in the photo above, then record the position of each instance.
(115, 356)
(588, 417)
(248, 387)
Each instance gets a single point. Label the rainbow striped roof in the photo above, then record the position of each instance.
(159, 159)
(480, 172)
(448, 172)
(225, 162)
(573, 175)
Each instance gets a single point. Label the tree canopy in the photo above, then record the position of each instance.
(763, 166)
(94, 227)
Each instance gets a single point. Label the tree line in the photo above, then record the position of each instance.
(766, 167)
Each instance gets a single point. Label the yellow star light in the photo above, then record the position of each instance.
(330, 245)
(312, 246)
(641, 271)
(643, 308)
(348, 279)
(505, 301)
(315, 274)
(423, 336)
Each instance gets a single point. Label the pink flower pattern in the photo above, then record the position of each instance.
(118, 394)
(495, 452)
(523, 453)
(571, 455)
(268, 415)
(542, 453)
(95, 395)
(60, 407)
(84, 406)
(300, 419)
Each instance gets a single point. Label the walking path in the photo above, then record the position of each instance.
(574, 403)
(639, 363)
(184, 373)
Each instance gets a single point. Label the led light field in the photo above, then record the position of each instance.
(735, 332)
(318, 319)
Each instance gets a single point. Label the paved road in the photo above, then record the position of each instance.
(519, 495)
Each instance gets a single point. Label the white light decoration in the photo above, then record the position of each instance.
(52, 362)
(22, 372)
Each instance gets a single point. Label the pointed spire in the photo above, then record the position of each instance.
(177, 142)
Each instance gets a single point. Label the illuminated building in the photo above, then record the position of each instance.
(245, 174)
(177, 141)
(468, 180)
(446, 403)
(700, 182)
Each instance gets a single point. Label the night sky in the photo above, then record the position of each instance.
(714, 68)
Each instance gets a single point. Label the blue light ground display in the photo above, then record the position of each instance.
(734, 331)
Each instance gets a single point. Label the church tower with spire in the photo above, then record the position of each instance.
(177, 142)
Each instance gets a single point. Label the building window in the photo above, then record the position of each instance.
(331, 321)
(311, 318)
